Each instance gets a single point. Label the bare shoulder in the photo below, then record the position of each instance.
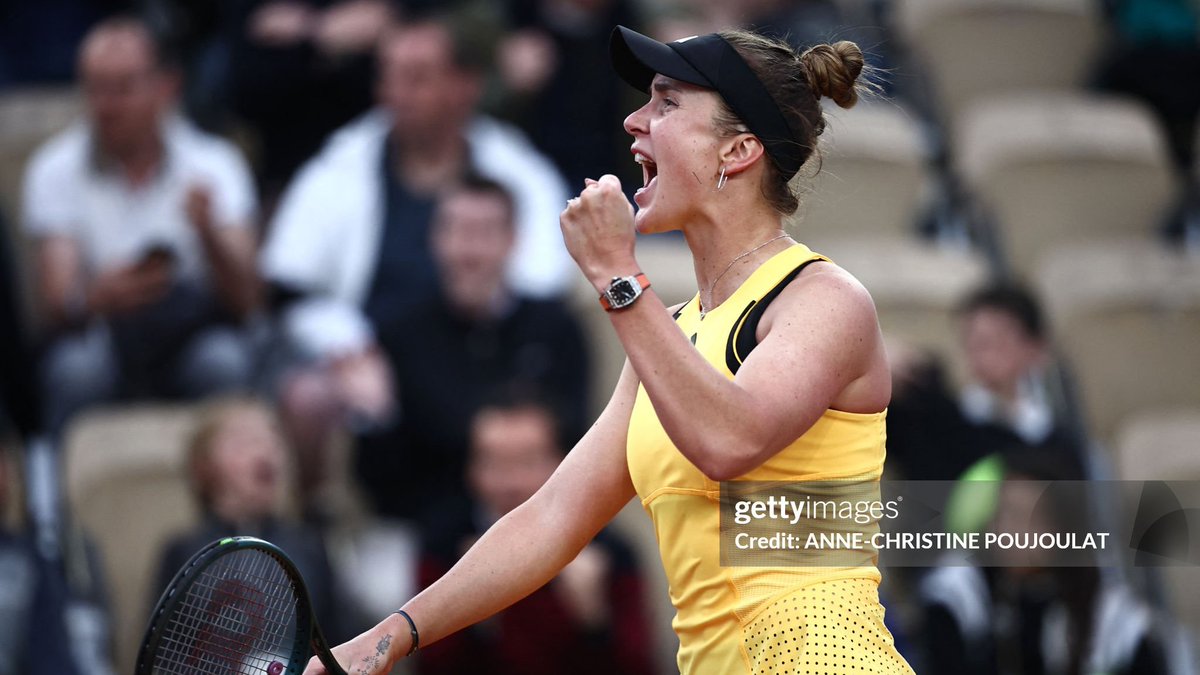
(824, 292)
(826, 316)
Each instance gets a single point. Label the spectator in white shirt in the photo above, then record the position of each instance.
(348, 250)
(143, 227)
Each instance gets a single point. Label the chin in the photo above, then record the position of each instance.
(645, 223)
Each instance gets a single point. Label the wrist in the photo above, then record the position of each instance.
(392, 633)
(623, 291)
(406, 639)
(600, 276)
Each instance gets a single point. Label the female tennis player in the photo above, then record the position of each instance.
(775, 370)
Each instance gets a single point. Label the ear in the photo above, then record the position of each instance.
(739, 153)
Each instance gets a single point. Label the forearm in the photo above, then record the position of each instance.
(518, 555)
(62, 295)
(685, 388)
(233, 271)
(525, 549)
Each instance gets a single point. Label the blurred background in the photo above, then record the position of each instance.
(292, 268)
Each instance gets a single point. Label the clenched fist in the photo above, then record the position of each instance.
(598, 230)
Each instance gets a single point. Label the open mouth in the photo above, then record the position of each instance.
(649, 169)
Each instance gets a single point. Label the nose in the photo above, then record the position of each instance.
(635, 123)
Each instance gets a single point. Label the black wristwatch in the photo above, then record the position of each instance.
(623, 291)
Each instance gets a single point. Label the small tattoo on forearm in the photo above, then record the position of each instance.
(371, 663)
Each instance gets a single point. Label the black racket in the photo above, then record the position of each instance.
(238, 607)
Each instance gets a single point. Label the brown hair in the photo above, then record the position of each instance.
(796, 82)
(213, 418)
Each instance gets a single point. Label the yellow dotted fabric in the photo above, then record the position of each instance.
(829, 628)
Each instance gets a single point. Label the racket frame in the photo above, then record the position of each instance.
(308, 640)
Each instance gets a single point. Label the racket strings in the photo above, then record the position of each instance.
(238, 616)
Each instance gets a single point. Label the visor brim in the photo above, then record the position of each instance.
(638, 58)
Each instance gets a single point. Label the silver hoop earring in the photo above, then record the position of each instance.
(721, 179)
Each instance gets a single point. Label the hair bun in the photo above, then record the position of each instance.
(833, 70)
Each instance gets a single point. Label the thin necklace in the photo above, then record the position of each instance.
(729, 267)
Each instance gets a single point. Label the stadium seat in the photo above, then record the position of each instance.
(917, 287)
(872, 178)
(972, 49)
(1159, 445)
(126, 485)
(1163, 445)
(1127, 321)
(27, 118)
(1063, 169)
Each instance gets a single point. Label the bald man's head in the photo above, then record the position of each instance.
(126, 86)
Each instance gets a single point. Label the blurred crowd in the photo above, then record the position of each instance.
(292, 268)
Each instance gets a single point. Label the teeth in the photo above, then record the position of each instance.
(649, 168)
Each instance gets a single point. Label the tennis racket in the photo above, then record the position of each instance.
(238, 607)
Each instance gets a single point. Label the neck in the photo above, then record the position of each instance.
(484, 309)
(235, 513)
(137, 161)
(724, 249)
(429, 162)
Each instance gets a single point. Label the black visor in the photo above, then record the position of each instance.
(711, 62)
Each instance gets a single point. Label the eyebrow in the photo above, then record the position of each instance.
(662, 86)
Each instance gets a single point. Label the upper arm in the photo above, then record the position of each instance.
(595, 469)
(49, 195)
(224, 171)
(819, 342)
(298, 247)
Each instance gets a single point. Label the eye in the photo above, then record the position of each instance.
(669, 103)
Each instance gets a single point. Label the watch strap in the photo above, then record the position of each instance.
(641, 279)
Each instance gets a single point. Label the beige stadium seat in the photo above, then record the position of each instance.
(1165, 445)
(917, 287)
(1127, 320)
(976, 48)
(126, 485)
(1063, 169)
(1159, 445)
(27, 118)
(872, 179)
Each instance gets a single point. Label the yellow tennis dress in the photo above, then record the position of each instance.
(740, 619)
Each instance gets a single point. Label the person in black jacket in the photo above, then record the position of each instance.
(449, 354)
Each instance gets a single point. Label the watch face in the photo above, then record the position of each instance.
(622, 292)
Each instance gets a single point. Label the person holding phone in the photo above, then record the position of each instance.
(145, 249)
